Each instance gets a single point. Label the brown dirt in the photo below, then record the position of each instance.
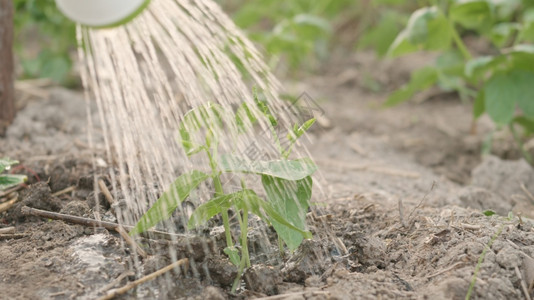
(399, 216)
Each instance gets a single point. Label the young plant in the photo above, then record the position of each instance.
(499, 85)
(287, 183)
(9, 180)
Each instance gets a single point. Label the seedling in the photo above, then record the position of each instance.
(499, 85)
(9, 180)
(287, 183)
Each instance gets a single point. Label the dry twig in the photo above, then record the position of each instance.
(86, 222)
(116, 281)
(131, 241)
(290, 295)
(8, 204)
(7, 230)
(11, 190)
(523, 284)
(116, 292)
(64, 191)
(106, 192)
(10, 236)
(92, 223)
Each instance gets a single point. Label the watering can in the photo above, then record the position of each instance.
(101, 13)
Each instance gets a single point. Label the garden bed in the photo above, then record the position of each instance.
(399, 210)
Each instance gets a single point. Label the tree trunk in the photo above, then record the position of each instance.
(7, 89)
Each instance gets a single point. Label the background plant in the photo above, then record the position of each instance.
(301, 34)
(499, 84)
(9, 180)
(296, 34)
(45, 40)
(287, 183)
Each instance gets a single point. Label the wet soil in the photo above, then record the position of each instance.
(399, 207)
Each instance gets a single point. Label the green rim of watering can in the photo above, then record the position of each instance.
(125, 20)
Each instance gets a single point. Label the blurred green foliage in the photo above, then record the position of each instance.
(500, 84)
(301, 33)
(44, 40)
(298, 34)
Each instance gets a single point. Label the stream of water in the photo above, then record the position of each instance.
(144, 76)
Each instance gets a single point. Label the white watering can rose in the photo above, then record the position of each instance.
(101, 13)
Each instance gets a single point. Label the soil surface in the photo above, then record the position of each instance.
(399, 213)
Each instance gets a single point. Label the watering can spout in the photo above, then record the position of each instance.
(101, 13)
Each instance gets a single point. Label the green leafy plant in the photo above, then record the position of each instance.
(287, 183)
(9, 180)
(40, 21)
(499, 85)
(296, 33)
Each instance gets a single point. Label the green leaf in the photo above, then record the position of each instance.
(521, 57)
(56, 68)
(264, 107)
(290, 199)
(382, 35)
(312, 20)
(525, 99)
(401, 45)
(476, 67)
(233, 254)
(7, 181)
(479, 105)
(451, 63)
(285, 169)
(505, 9)
(212, 208)
(244, 117)
(420, 80)
(204, 116)
(169, 201)
(471, 14)
(489, 213)
(527, 31)
(525, 48)
(502, 33)
(427, 29)
(188, 145)
(504, 90)
(5, 163)
(297, 131)
(255, 204)
(526, 123)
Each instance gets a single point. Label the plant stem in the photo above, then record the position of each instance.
(276, 139)
(218, 185)
(219, 192)
(245, 258)
(281, 247)
(244, 241)
(458, 40)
